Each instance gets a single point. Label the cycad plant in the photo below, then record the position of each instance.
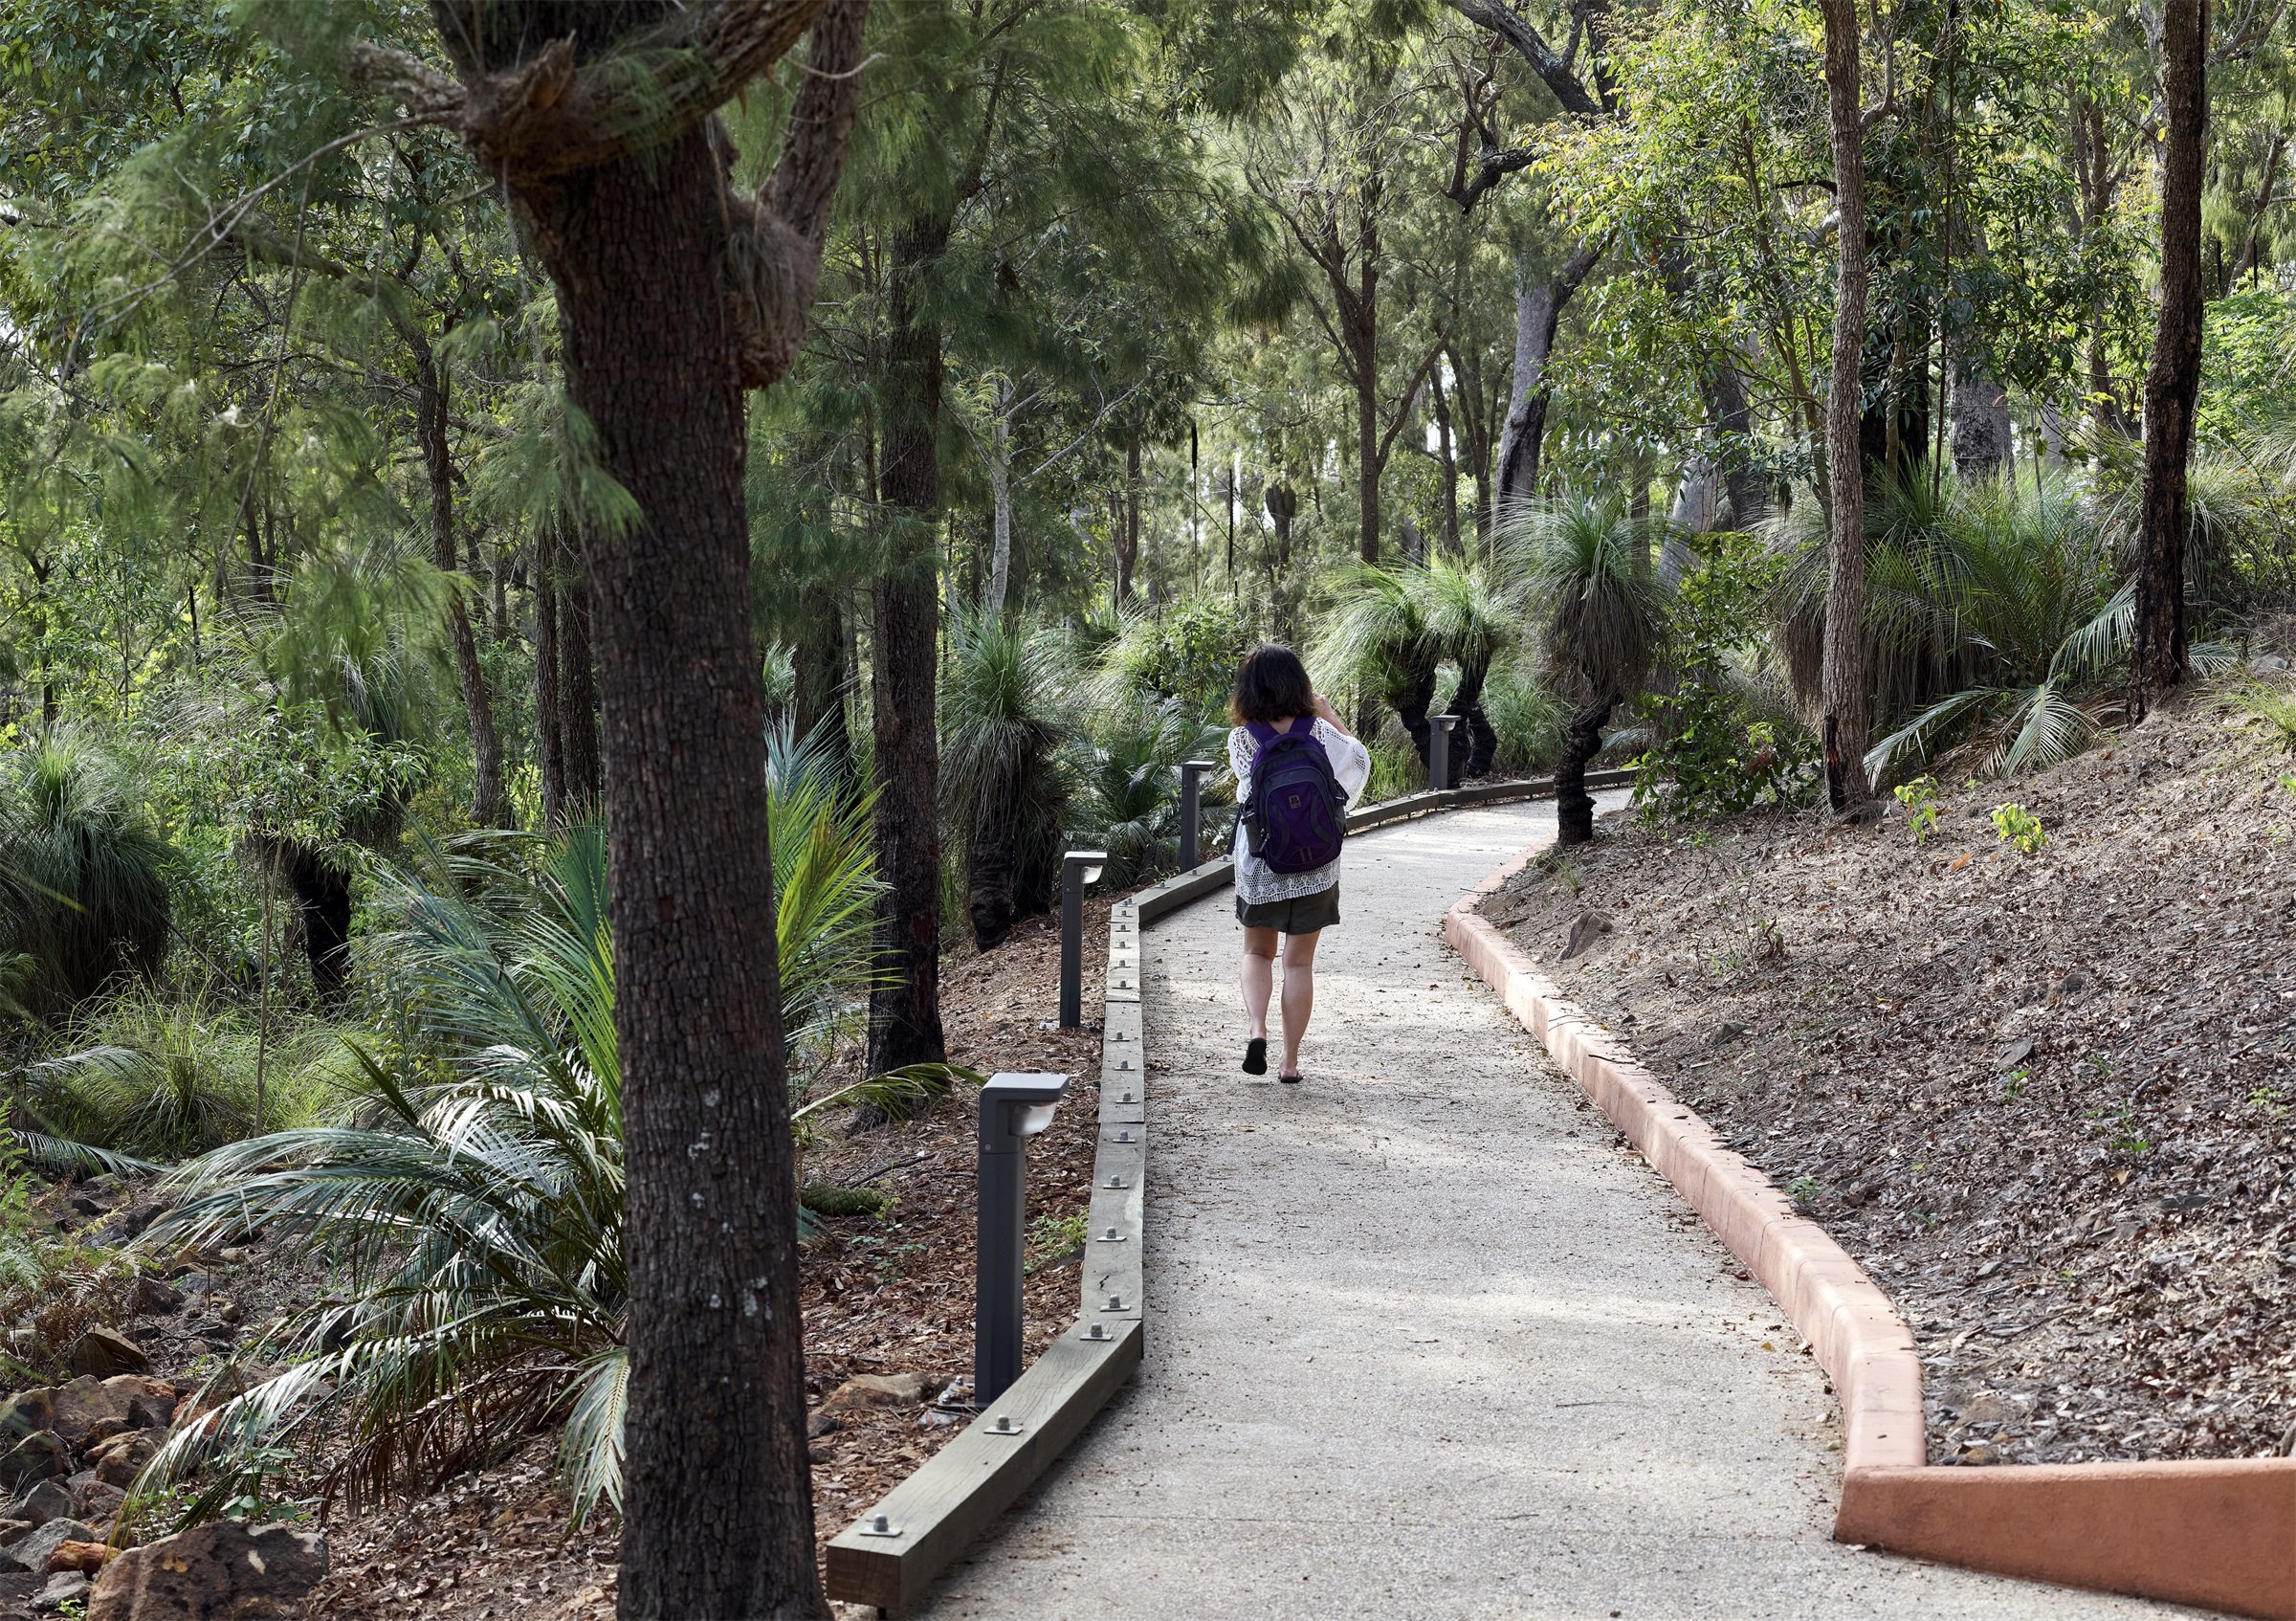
(84, 893)
(2013, 591)
(1588, 579)
(473, 1198)
(1127, 786)
(1001, 730)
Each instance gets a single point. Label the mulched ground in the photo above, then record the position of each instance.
(2042, 1098)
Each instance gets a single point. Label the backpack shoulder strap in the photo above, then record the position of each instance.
(1262, 733)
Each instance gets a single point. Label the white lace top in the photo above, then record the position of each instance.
(1351, 764)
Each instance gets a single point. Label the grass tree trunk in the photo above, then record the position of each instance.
(1467, 702)
(1581, 741)
(676, 292)
(2172, 380)
(1843, 674)
(905, 1009)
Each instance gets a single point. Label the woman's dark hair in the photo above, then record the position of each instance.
(1271, 685)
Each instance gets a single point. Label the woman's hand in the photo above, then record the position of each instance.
(1325, 713)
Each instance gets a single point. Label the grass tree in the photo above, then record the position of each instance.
(1583, 566)
(1472, 624)
(83, 892)
(1001, 730)
(1376, 638)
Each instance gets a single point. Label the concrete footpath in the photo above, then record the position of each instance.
(1422, 1341)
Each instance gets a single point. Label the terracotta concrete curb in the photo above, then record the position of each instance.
(2219, 1533)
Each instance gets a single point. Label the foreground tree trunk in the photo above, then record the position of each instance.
(674, 292)
(905, 1008)
(1581, 741)
(1843, 677)
(2172, 380)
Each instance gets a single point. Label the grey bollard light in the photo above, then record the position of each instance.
(1013, 1109)
(1077, 869)
(1439, 750)
(1191, 813)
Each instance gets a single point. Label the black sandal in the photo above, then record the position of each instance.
(1255, 1056)
(1291, 1079)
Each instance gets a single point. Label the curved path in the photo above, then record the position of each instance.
(1423, 1343)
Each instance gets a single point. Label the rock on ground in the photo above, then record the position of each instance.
(222, 1571)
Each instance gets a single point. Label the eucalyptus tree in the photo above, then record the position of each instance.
(1331, 165)
(677, 290)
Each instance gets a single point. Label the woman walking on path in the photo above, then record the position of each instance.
(1308, 767)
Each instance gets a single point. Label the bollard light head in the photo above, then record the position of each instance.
(1015, 1107)
(1082, 867)
(1195, 767)
(1446, 721)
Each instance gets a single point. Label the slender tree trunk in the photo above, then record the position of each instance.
(999, 487)
(1447, 458)
(1581, 741)
(905, 1009)
(639, 248)
(2172, 380)
(1128, 520)
(819, 707)
(1367, 442)
(1538, 306)
(549, 725)
(577, 684)
(1844, 679)
(490, 807)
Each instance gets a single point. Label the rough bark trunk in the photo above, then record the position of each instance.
(640, 251)
(322, 908)
(905, 1009)
(1538, 306)
(2172, 380)
(1467, 702)
(1843, 681)
(1581, 741)
(992, 867)
(490, 807)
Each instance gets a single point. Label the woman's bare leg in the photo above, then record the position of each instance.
(1299, 994)
(1259, 979)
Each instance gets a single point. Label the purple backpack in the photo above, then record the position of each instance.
(1297, 810)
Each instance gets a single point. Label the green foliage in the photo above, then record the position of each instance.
(1585, 567)
(1188, 653)
(1919, 798)
(1720, 743)
(1126, 794)
(1528, 722)
(2271, 708)
(2018, 828)
(160, 1080)
(84, 893)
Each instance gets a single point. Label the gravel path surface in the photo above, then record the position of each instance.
(1425, 1342)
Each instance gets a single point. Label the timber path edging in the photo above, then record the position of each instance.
(891, 1556)
(2219, 1533)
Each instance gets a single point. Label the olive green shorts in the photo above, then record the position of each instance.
(1302, 914)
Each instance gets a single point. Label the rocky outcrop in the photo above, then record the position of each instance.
(223, 1571)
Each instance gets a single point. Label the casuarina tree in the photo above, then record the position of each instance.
(2173, 381)
(676, 290)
